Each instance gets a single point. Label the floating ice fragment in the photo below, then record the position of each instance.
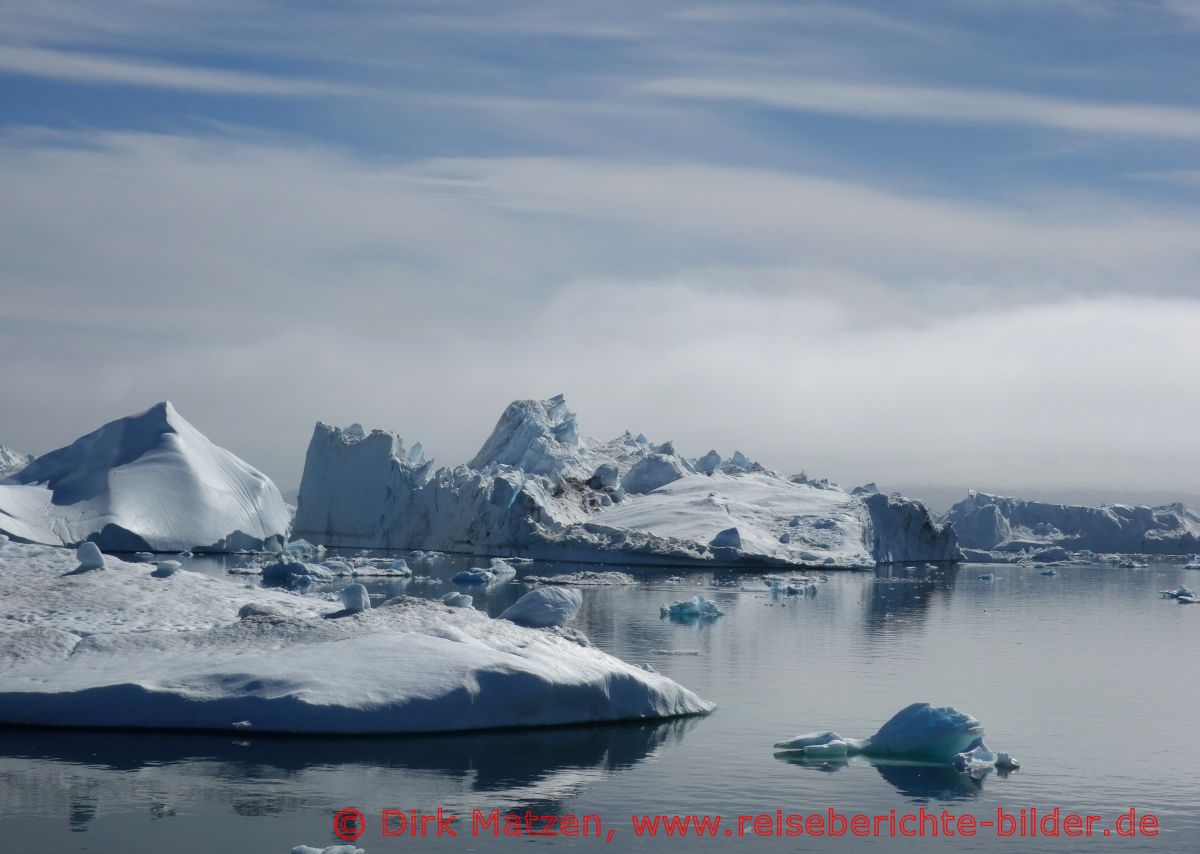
(1178, 592)
(457, 600)
(499, 570)
(400, 567)
(690, 609)
(920, 732)
(589, 577)
(332, 849)
(978, 760)
(291, 571)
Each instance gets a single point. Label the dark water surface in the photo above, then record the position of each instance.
(1089, 678)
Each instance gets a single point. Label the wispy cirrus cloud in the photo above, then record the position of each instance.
(937, 103)
(130, 71)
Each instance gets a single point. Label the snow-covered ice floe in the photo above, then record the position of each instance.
(539, 488)
(149, 482)
(917, 733)
(116, 647)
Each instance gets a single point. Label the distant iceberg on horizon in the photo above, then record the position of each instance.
(997, 523)
(540, 488)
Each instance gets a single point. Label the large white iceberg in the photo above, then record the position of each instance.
(996, 523)
(118, 647)
(540, 488)
(149, 482)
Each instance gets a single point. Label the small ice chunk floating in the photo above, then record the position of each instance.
(691, 609)
(917, 733)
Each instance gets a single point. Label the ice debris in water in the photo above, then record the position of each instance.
(920, 732)
(500, 570)
(690, 609)
(457, 600)
(400, 567)
(166, 568)
(589, 577)
(89, 556)
(801, 585)
(332, 849)
(354, 598)
(291, 571)
(1179, 592)
(979, 760)
(302, 547)
(544, 607)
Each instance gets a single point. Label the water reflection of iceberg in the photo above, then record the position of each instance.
(915, 780)
(42, 770)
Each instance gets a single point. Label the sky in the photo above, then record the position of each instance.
(944, 242)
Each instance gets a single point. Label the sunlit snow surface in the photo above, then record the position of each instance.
(119, 647)
(150, 481)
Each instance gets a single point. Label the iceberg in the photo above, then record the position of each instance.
(996, 523)
(287, 570)
(108, 649)
(541, 488)
(544, 607)
(12, 462)
(149, 482)
(498, 571)
(691, 609)
(920, 732)
(585, 577)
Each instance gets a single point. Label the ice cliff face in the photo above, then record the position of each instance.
(150, 481)
(993, 522)
(901, 530)
(540, 488)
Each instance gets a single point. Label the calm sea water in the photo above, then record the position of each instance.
(1088, 678)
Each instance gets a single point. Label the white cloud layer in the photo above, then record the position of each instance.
(853, 329)
(978, 106)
